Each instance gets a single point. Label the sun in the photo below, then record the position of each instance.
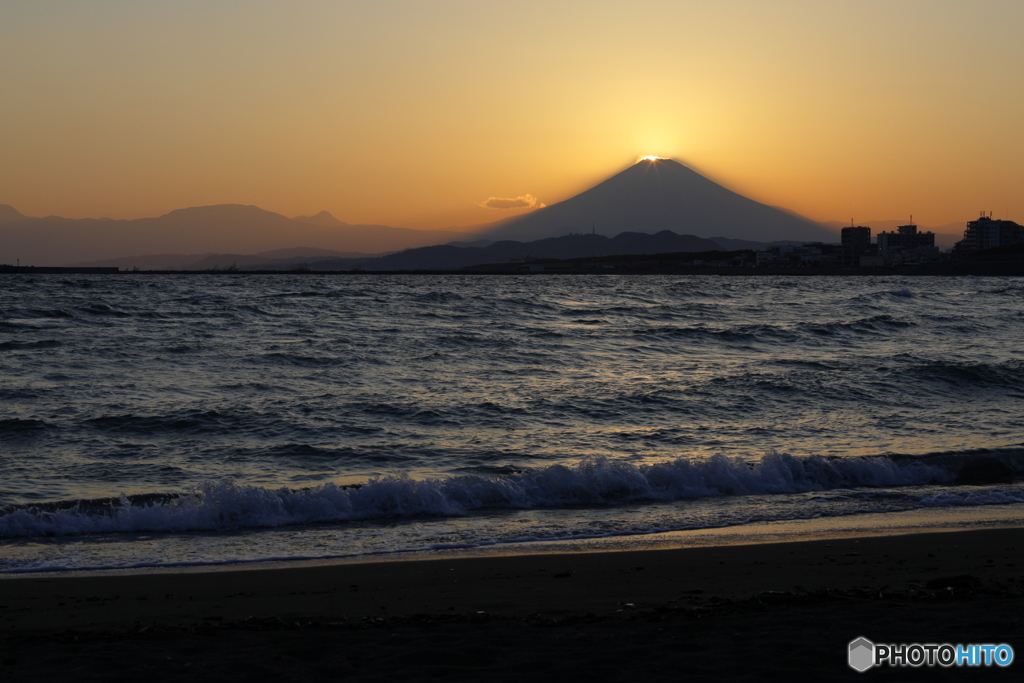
(649, 157)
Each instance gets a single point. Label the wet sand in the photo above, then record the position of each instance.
(744, 612)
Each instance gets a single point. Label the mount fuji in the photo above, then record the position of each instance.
(661, 194)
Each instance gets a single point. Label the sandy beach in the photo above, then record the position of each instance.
(753, 612)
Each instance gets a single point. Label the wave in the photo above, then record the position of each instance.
(745, 333)
(6, 325)
(191, 421)
(43, 313)
(101, 309)
(29, 345)
(16, 425)
(302, 360)
(961, 374)
(592, 481)
(878, 325)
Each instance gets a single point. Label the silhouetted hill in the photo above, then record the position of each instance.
(8, 214)
(449, 257)
(324, 219)
(201, 230)
(279, 259)
(657, 195)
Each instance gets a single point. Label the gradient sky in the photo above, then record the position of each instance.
(415, 114)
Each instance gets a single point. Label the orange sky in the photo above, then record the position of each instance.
(414, 114)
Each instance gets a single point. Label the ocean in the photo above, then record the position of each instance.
(161, 420)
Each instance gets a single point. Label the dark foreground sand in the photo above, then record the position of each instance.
(784, 611)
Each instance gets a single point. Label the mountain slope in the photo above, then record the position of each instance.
(661, 194)
(8, 214)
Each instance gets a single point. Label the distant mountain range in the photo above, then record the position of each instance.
(656, 198)
(201, 230)
(662, 194)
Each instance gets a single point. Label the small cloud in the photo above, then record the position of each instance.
(527, 201)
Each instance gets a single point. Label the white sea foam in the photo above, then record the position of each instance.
(592, 481)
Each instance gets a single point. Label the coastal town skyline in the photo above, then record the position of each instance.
(454, 115)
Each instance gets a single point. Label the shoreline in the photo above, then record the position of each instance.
(857, 525)
(58, 596)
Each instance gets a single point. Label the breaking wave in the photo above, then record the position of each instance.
(592, 481)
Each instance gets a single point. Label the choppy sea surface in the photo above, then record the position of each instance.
(160, 420)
